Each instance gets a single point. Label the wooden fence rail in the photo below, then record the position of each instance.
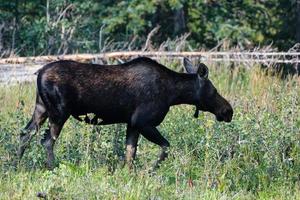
(252, 57)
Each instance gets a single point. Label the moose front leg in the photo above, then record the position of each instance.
(153, 135)
(132, 137)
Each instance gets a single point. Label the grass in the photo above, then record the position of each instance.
(257, 156)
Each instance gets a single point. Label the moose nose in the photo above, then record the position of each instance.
(225, 114)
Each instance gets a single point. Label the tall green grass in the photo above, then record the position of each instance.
(256, 156)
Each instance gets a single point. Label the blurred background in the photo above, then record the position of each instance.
(46, 27)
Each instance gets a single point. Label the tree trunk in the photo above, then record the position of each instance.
(298, 21)
(15, 26)
(179, 21)
(298, 31)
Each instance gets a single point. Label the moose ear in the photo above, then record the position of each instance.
(202, 71)
(189, 66)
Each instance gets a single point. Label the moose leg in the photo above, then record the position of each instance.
(132, 137)
(38, 118)
(153, 135)
(49, 140)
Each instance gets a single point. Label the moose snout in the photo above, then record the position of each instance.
(225, 114)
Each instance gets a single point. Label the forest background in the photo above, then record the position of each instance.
(49, 27)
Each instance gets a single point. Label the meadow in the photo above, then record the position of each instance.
(256, 156)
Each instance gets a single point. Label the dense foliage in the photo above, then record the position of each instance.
(256, 156)
(31, 27)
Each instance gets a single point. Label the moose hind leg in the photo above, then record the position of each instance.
(38, 118)
(49, 139)
(132, 137)
(153, 135)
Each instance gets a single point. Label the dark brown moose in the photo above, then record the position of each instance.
(138, 93)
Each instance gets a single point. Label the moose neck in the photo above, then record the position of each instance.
(186, 90)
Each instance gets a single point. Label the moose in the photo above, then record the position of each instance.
(138, 93)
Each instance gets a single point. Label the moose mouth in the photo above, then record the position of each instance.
(225, 116)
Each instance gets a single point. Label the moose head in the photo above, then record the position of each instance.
(208, 97)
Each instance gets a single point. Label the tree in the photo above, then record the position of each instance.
(32, 27)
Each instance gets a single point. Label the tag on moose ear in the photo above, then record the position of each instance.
(202, 71)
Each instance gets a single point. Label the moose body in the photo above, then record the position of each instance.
(138, 93)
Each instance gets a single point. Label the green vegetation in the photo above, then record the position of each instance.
(34, 27)
(257, 156)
